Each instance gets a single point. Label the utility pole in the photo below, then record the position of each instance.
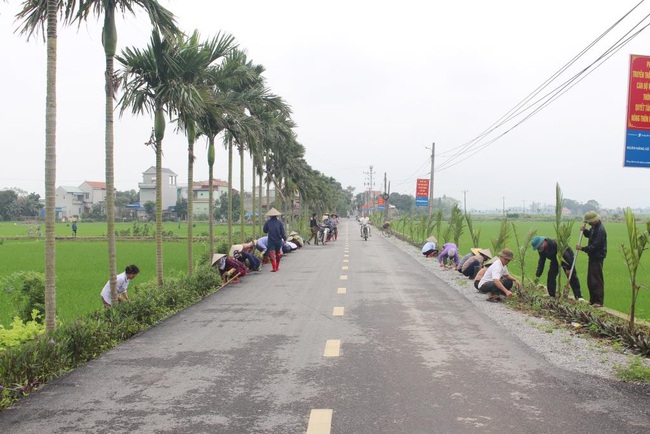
(504, 205)
(386, 197)
(465, 201)
(433, 155)
(370, 184)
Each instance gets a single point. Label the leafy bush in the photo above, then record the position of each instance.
(23, 367)
(26, 289)
(20, 331)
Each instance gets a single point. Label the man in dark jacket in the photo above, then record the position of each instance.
(547, 249)
(276, 237)
(596, 249)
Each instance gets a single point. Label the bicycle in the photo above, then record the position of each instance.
(386, 231)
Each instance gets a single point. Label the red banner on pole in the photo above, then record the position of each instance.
(422, 192)
(638, 104)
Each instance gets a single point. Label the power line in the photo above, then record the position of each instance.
(468, 149)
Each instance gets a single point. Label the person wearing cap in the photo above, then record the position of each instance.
(276, 237)
(497, 280)
(547, 249)
(596, 250)
(449, 253)
(472, 265)
(328, 227)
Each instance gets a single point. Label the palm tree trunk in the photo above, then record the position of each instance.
(230, 192)
(253, 208)
(241, 194)
(259, 221)
(109, 41)
(190, 198)
(159, 128)
(50, 169)
(211, 194)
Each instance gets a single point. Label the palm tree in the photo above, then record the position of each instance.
(33, 14)
(162, 20)
(205, 54)
(165, 78)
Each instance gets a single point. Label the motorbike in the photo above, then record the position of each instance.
(365, 232)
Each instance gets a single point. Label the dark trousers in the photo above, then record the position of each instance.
(472, 270)
(551, 280)
(596, 281)
(492, 288)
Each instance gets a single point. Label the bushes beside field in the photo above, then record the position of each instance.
(31, 364)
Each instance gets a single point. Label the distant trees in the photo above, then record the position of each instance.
(17, 204)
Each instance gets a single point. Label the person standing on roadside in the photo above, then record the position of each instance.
(313, 227)
(74, 229)
(547, 249)
(276, 237)
(596, 249)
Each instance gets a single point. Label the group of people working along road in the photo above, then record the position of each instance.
(491, 275)
(241, 259)
(250, 256)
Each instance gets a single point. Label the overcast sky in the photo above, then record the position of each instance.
(371, 83)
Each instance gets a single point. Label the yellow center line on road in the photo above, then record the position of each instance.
(338, 311)
(320, 421)
(344, 277)
(332, 348)
(345, 267)
(346, 260)
(341, 291)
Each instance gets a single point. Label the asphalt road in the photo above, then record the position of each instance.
(350, 337)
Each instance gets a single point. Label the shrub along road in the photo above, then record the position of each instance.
(350, 337)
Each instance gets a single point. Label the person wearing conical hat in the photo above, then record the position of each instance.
(430, 249)
(497, 280)
(596, 249)
(229, 268)
(473, 265)
(547, 249)
(274, 229)
(294, 237)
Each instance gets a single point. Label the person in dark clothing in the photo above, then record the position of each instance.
(276, 237)
(313, 227)
(247, 258)
(596, 249)
(547, 249)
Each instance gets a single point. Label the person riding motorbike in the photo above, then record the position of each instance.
(364, 222)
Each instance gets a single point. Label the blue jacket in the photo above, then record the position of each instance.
(275, 230)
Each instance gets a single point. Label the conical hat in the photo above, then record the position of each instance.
(273, 212)
(234, 247)
(432, 239)
(293, 233)
(486, 252)
(216, 257)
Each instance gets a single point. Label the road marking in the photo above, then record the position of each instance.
(320, 421)
(341, 291)
(345, 267)
(346, 260)
(332, 348)
(344, 277)
(338, 311)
